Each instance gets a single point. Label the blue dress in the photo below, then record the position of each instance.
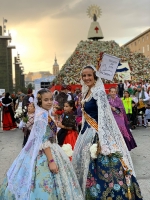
(105, 177)
(44, 183)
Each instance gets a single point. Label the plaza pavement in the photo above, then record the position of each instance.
(11, 142)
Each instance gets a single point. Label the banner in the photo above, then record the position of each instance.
(125, 75)
(108, 66)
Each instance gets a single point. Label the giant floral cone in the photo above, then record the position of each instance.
(88, 52)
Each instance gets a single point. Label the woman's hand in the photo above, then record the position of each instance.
(53, 167)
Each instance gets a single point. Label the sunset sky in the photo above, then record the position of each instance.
(42, 28)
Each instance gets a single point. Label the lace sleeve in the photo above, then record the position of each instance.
(45, 145)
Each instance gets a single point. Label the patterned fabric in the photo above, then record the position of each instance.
(108, 133)
(106, 181)
(30, 121)
(46, 185)
(122, 122)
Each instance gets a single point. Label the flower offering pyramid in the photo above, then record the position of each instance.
(88, 52)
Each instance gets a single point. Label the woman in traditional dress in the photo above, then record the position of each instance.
(42, 170)
(121, 118)
(8, 114)
(101, 159)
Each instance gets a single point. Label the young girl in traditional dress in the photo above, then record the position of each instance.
(68, 133)
(30, 121)
(42, 170)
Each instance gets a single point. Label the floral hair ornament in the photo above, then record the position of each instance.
(38, 96)
(55, 103)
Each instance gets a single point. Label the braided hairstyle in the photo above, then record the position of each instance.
(39, 96)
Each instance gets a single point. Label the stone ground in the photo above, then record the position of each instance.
(11, 142)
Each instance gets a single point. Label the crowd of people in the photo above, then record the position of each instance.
(98, 128)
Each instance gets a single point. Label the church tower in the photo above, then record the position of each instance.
(55, 67)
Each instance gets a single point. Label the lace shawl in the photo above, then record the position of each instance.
(20, 173)
(109, 134)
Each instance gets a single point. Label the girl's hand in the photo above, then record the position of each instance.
(59, 124)
(53, 167)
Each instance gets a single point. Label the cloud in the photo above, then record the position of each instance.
(42, 28)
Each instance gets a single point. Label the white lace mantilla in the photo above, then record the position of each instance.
(110, 137)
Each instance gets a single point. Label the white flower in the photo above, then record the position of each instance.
(93, 150)
(105, 150)
(25, 107)
(24, 110)
(67, 148)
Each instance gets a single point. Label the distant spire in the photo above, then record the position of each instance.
(55, 63)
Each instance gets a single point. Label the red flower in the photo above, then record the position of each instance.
(90, 182)
(59, 112)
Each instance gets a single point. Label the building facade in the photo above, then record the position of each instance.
(6, 76)
(32, 76)
(140, 43)
(19, 75)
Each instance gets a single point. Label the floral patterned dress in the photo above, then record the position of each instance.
(105, 178)
(45, 184)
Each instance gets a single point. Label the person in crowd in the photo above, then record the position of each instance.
(102, 171)
(134, 87)
(68, 133)
(121, 118)
(141, 98)
(126, 85)
(69, 93)
(134, 115)
(62, 97)
(20, 94)
(28, 121)
(130, 88)
(78, 112)
(127, 103)
(148, 87)
(147, 115)
(14, 98)
(76, 93)
(19, 101)
(144, 85)
(55, 93)
(120, 89)
(27, 99)
(8, 113)
(148, 90)
(42, 170)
